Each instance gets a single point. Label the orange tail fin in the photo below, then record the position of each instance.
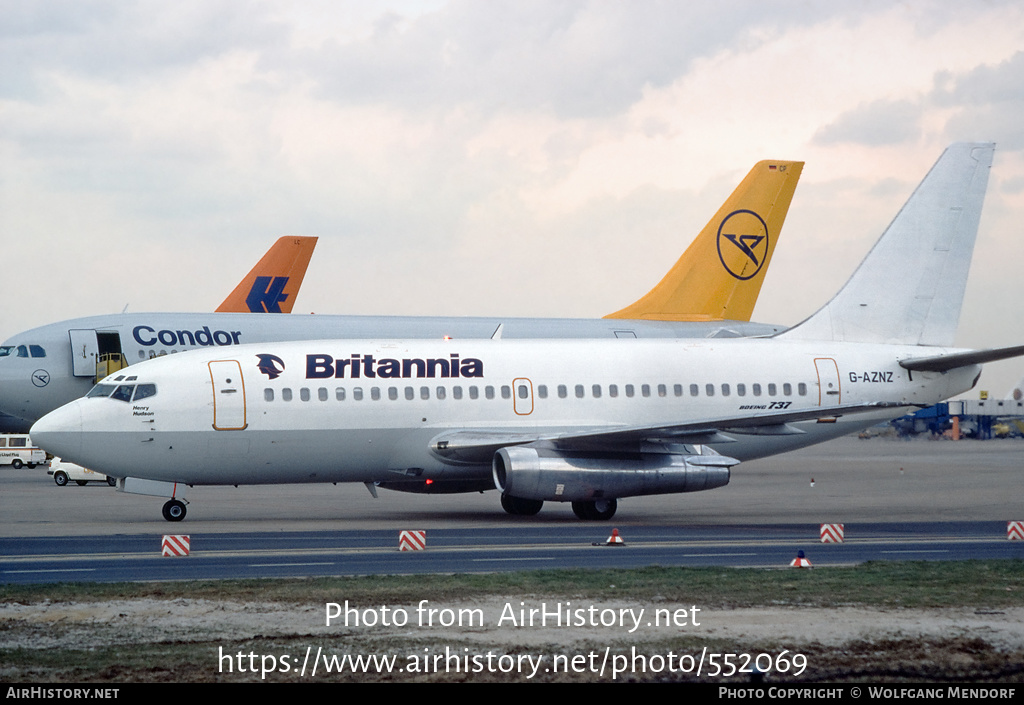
(273, 284)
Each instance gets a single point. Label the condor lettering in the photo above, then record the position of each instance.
(204, 337)
(366, 366)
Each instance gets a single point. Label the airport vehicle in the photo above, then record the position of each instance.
(64, 472)
(18, 450)
(718, 276)
(583, 421)
(45, 367)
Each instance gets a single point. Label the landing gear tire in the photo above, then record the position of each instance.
(61, 478)
(112, 481)
(521, 507)
(598, 510)
(174, 510)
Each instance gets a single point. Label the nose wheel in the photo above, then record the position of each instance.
(174, 510)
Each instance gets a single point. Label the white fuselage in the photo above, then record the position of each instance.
(44, 368)
(364, 411)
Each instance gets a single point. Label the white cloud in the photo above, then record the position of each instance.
(480, 157)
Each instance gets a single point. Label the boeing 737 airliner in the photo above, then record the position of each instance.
(718, 277)
(586, 422)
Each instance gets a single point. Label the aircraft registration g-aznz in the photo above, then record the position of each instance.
(709, 292)
(586, 422)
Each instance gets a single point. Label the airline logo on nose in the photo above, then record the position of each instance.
(743, 243)
(270, 365)
(267, 295)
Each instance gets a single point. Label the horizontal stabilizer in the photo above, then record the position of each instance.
(944, 363)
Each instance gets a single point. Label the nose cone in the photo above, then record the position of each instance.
(60, 431)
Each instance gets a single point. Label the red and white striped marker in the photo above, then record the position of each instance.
(832, 533)
(175, 545)
(800, 561)
(1015, 530)
(615, 539)
(412, 540)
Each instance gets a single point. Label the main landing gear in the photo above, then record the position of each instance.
(521, 507)
(174, 510)
(596, 510)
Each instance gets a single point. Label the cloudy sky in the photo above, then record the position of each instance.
(485, 157)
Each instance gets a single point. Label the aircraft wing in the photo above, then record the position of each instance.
(478, 446)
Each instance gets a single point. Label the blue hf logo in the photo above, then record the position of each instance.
(267, 295)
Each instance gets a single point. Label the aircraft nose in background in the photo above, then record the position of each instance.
(60, 431)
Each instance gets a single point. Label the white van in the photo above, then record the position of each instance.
(17, 450)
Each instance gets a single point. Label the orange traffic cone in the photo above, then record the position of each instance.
(615, 539)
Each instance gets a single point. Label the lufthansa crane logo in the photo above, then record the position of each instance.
(270, 365)
(743, 243)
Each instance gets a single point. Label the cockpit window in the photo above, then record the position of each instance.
(6, 350)
(145, 390)
(123, 392)
(37, 350)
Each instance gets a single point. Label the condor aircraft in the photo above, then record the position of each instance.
(718, 277)
(580, 421)
(41, 368)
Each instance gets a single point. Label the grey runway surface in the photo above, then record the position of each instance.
(876, 480)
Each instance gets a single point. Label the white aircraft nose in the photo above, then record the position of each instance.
(60, 431)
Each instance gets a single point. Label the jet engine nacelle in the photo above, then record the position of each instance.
(540, 474)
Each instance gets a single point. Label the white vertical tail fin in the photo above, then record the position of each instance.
(910, 287)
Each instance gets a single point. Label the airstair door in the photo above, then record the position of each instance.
(228, 395)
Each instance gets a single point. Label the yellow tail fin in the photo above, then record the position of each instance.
(720, 274)
(273, 284)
